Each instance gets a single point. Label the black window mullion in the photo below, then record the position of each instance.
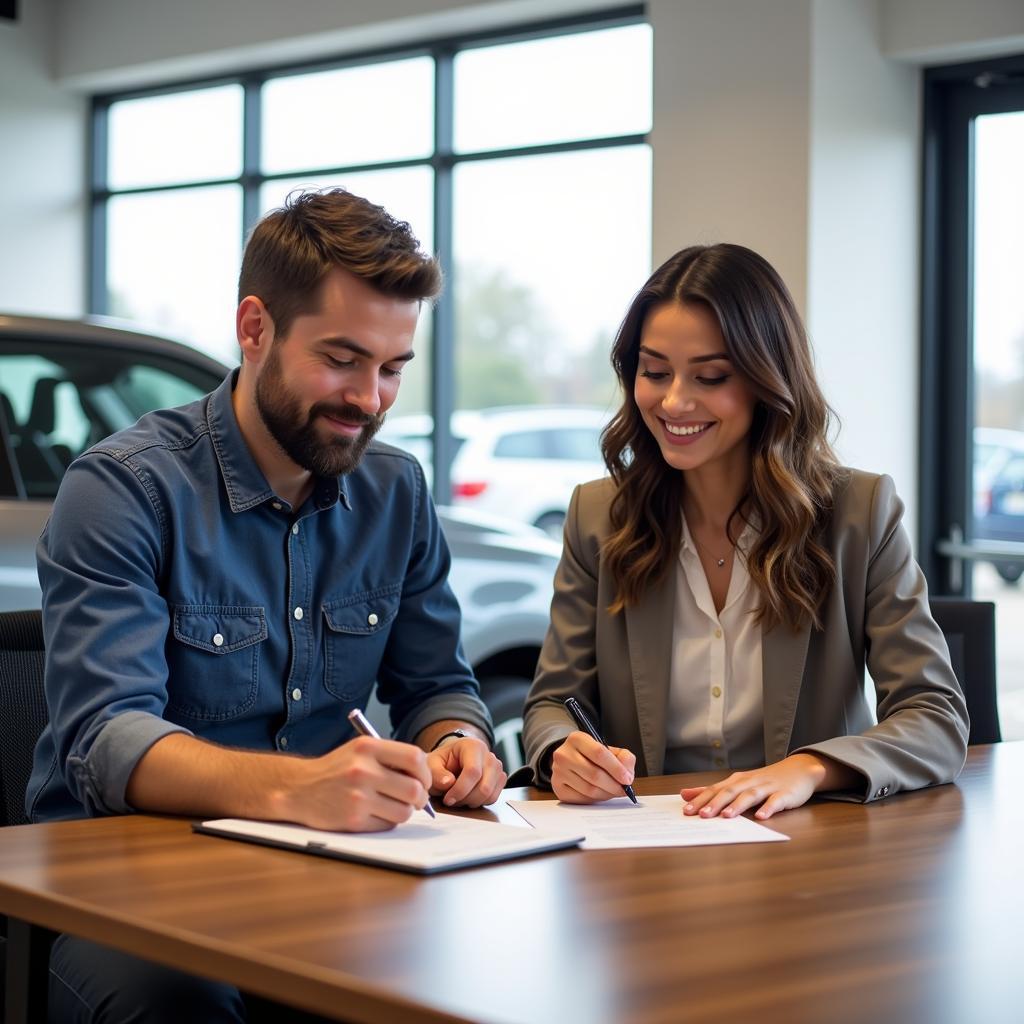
(442, 369)
(96, 261)
(252, 143)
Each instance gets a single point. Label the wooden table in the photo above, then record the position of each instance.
(904, 910)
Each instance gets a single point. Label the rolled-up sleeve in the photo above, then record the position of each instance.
(105, 625)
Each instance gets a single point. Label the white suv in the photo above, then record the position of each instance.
(518, 462)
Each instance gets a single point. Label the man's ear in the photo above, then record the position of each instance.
(254, 329)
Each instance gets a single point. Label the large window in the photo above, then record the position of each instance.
(521, 160)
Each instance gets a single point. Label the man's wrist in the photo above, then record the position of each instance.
(452, 736)
(428, 738)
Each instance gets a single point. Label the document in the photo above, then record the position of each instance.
(656, 821)
(422, 844)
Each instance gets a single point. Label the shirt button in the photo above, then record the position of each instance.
(719, 762)
(296, 694)
(716, 744)
(372, 619)
(297, 613)
(718, 634)
(716, 691)
(283, 742)
(276, 505)
(295, 528)
(218, 640)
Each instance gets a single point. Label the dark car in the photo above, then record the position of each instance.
(1001, 513)
(64, 385)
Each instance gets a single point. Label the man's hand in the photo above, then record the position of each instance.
(584, 771)
(776, 787)
(365, 785)
(466, 772)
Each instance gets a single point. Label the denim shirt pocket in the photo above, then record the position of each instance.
(356, 633)
(215, 664)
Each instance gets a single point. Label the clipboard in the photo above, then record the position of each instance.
(421, 845)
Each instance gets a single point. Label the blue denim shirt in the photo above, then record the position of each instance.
(180, 594)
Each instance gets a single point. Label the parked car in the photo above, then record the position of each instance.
(64, 385)
(993, 449)
(1001, 515)
(521, 462)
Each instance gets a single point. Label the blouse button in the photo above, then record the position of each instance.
(718, 634)
(716, 691)
(218, 640)
(372, 619)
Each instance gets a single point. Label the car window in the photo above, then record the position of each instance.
(1012, 475)
(581, 444)
(144, 388)
(524, 444)
(63, 402)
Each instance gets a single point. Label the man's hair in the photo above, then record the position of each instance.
(291, 250)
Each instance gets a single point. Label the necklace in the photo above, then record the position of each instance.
(720, 562)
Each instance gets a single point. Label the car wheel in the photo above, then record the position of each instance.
(551, 523)
(1010, 571)
(504, 697)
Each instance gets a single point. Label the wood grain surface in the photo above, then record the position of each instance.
(902, 910)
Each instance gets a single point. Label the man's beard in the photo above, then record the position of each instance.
(297, 435)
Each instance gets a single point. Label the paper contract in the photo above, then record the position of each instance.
(657, 821)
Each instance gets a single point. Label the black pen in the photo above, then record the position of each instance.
(573, 706)
(361, 724)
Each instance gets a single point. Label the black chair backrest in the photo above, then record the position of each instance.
(970, 630)
(22, 707)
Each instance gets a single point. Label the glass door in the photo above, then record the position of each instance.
(973, 355)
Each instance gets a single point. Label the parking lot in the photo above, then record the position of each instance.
(1009, 600)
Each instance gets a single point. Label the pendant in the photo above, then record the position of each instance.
(721, 563)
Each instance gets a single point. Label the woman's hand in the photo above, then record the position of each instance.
(584, 771)
(776, 787)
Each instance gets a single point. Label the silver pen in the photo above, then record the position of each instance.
(361, 724)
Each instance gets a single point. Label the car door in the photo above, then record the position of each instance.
(57, 398)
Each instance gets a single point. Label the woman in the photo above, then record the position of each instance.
(719, 596)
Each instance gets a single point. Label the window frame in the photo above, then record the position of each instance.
(953, 98)
(442, 161)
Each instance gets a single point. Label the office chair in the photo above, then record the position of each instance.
(22, 707)
(22, 717)
(970, 631)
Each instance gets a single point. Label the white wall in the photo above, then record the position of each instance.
(948, 31)
(42, 173)
(862, 243)
(102, 44)
(731, 131)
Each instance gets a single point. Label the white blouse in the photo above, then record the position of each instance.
(715, 706)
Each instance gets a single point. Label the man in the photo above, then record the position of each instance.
(223, 582)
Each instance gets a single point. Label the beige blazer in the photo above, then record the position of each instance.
(875, 615)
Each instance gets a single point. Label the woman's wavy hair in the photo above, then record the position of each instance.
(793, 468)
